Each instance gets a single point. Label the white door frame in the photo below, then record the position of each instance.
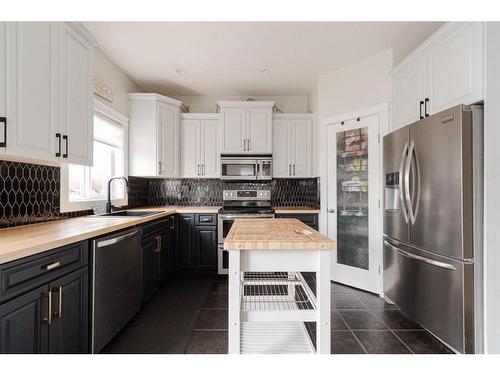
(382, 110)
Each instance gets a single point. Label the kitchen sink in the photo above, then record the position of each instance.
(131, 213)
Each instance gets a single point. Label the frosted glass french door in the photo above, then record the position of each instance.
(352, 197)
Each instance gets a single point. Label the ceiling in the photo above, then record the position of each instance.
(226, 58)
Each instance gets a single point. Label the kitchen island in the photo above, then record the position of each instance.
(272, 309)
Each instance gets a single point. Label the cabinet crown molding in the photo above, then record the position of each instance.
(285, 116)
(426, 45)
(154, 97)
(200, 116)
(246, 104)
(83, 32)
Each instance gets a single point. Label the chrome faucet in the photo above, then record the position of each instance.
(109, 206)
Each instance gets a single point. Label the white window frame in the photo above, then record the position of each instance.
(65, 204)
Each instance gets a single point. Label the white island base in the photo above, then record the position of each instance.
(271, 306)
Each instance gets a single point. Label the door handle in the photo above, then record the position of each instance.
(331, 211)
(203, 169)
(115, 240)
(58, 153)
(407, 182)
(159, 167)
(198, 169)
(48, 320)
(401, 182)
(172, 226)
(158, 244)
(421, 104)
(425, 107)
(52, 266)
(248, 144)
(289, 169)
(3, 120)
(294, 169)
(406, 254)
(416, 184)
(65, 138)
(58, 313)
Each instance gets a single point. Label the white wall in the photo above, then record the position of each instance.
(206, 104)
(364, 84)
(115, 78)
(491, 190)
(360, 85)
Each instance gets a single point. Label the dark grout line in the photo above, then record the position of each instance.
(399, 338)
(352, 333)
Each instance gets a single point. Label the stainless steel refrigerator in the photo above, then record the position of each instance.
(433, 224)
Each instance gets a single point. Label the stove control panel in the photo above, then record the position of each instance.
(247, 195)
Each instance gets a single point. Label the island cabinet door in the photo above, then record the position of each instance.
(206, 247)
(22, 325)
(68, 332)
(185, 258)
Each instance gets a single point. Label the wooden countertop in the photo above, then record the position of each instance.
(275, 234)
(23, 241)
(296, 210)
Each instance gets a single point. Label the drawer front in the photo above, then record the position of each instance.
(157, 226)
(23, 275)
(205, 219)
(308, 219)
(430, 294)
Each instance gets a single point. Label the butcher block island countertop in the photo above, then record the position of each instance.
(275, 234)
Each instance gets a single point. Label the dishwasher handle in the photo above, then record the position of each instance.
(115, 240)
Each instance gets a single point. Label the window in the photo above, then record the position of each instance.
(83, 187)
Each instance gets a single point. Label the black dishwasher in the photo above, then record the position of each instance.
(116, 284)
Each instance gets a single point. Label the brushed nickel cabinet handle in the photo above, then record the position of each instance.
(58, 313)
(52, 266)
(48, 319)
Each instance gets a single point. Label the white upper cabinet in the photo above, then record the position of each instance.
(77, 108)
(260, 130)
(200, 139)
(234, 135)
(455, 68)
(292, 150)
(409, 90)
(445, 70)
(32, 89)
(154, 135)
(46, 95)
(247, 127)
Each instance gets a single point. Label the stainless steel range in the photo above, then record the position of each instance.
(240, 204)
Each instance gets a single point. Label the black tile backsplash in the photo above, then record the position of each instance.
(208, 192)
(30, 193)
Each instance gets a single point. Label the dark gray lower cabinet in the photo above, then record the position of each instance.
(206, 247)
(22, 329)
(28, 325)
(45, 302)
(157, 254)
(68, 333)
(196, 241)
(185, 258)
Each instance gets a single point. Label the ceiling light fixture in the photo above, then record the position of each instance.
(180, 71)
(265, 71)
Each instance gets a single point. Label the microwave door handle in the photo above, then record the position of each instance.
(401, 182)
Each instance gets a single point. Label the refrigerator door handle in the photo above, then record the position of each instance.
(407, 182)
(420, 258)
(417, 184)
(401, 171)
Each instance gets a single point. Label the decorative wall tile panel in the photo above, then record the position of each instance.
(30, 194)
(192, 192)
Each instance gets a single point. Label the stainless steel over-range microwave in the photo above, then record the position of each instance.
(244, 167)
